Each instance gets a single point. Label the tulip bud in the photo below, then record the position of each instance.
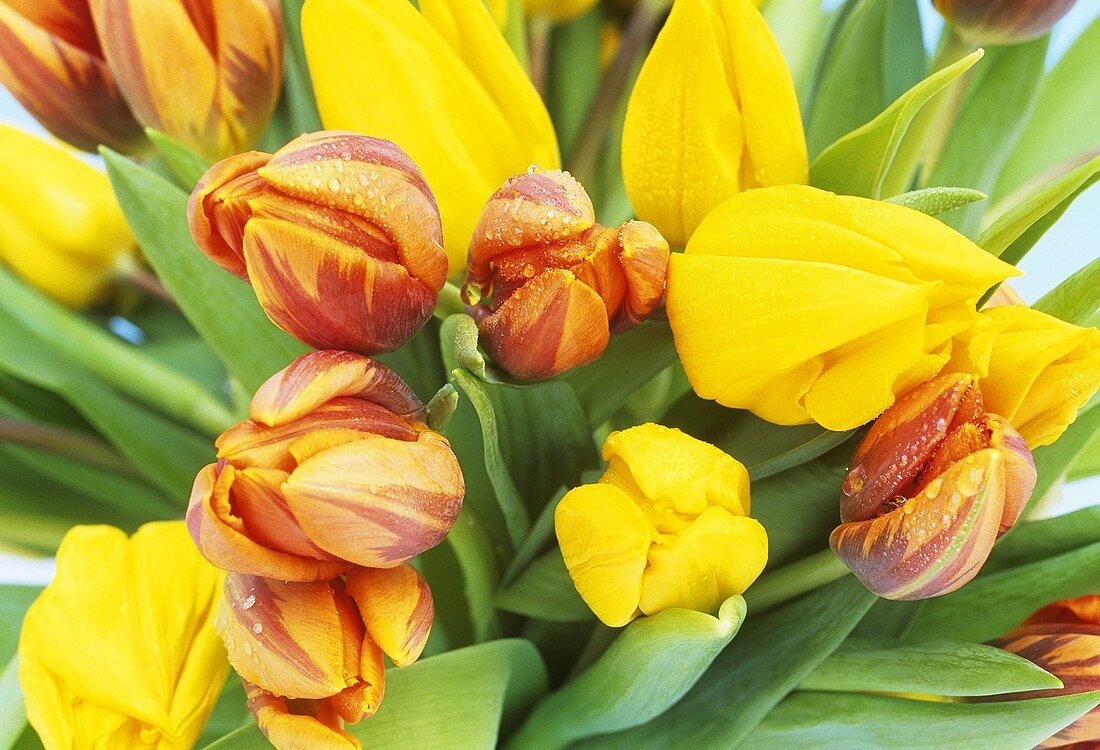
(335, 468)
(1002, 21)
(557, 283)
(667, 525)
(934, 483)
(338, 234)
(207, 74)
(1064, 639)
(52, 63)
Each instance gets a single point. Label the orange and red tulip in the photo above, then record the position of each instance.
(931, 487)
(1002, 21)
(335, 468)
(338, 234)
(548, 285)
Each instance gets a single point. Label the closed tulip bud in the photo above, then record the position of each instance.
(207, 74)
(804, 306)
(335, 468)
(1002, 21)
(338, 234)
(714, 112)
(667, 525)
(1064, 639)
(61, 229)
(548, 285)
(934, 483)
(52, 62)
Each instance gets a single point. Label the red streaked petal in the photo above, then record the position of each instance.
(289, 730)
(219, 208)
(396, 605)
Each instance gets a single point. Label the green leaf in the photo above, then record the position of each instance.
(828, 721)
(649, 667)
(1076, 299)
(221, 307)
(574, 54)
(1087, 463)
(13, 715)
(930, 668)
(799, 508)
(1053, 462)
(770, 656)
(938, 200)
(298, 97)
(186, 166)
(1017, 229)
(460, 700)
(545, 591)
(800, 27)
(14, 602)
(473, 549)
(1037, 540)
(859, 162)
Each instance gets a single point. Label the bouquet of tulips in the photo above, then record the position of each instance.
(353, 419)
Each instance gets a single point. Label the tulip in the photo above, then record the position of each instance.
(1038, 370)
(442, 84)
(999, 22)
(335, 468)
(321, 644)
(61, 229)
(713, 112)
(667, 525)
(337, 233)
(119, 651)
(1064, 639)
(803, 306)
(934, 483)
(207, 74)
(52, 63)
(559, 283)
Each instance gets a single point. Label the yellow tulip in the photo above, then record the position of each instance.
(804, 306)
(558, 11)
(442, 84)
(61, 229)
(713, 112)
(666, 526)
(119, 651)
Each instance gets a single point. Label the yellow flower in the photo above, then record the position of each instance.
(442, 84)
(120, 650)
(60, 227)
(713, 112)
(666, 526)
(558, 11)
(804, 306)
(1040, 371)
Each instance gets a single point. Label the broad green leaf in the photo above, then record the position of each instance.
(649, 667)
(473, 549)
(298, 99)
(574, 54)
(14, 601)
(1076, 299)
(830, 721)
(767, 660)
(929, 668)
(1054, 461)
(1017, 229)
(800, 27)
(459, 700)
(221, 307)
(229, 714)
(938, 200)
(186, 166)
(545, 591)
(799, 507)
(1037, 540)
(1087, 463)
(859, 162)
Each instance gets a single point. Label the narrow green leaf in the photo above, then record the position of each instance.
(800, 27)
(1087, 463)
(929, 668)
(1054, 461)
(14, 602)
(473, 549)
(575, 53)
(858, 163)
(1076, 299)
(938, 200)
(13, 716)
(301, 105)
(649, 667)
(185, 164)
(221, 307)
(545, 591)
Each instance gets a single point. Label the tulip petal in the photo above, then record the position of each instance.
(292, 731)
(224, 193)
(396, 605)
(644, 258)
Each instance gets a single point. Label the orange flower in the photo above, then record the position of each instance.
(335, 468)
(338, 234)
(934, 483)
(558, 284)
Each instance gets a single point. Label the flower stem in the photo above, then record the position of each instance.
(63, 442)
(449, 302)
(793, 580)
(538, 48)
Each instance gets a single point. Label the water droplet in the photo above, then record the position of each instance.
(248, 602)
(854, 481)
(334, 185)
(528, 271)
(257, 628)
(248, 648)
(946, 520)
(533, 169)
(933, 488)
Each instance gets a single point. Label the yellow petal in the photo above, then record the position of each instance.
(604, 540)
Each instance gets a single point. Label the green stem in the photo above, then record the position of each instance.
(538, 49)
(62, 442)
(794, 580)
(515, 32)
(449, 302)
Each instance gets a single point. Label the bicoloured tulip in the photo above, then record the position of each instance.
(1064, 639)
(119, 651)
(548, 285)
(443, 85)
(1039, 372)
(931, 487)
(61, 229)
(335, 468)
(52, 62)
(338, 234)
(1002, 21)
(804, 306)
(206, 73)
(320, 645)
(667, 525)
(713, 112)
